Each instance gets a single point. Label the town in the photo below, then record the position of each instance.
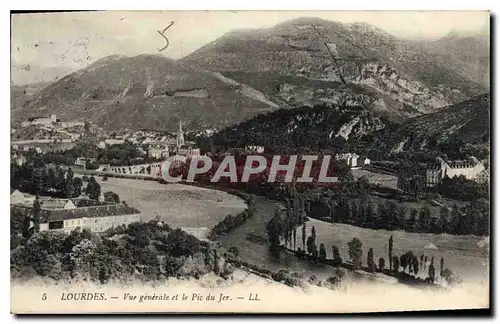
(338, 156)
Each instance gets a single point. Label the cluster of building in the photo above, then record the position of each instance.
(49, 134)
(68, 214)
(161, 149)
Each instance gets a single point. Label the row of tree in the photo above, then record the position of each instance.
(45, 180)
(231, 222)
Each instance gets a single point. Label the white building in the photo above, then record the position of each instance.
(351, 159)
(94, 218)
(471, 169)
(111, 141)
(16, 197)
(254, 149)
(40, 121)
(82, 161)
(101, 145)
(57, 204)
(158, 151)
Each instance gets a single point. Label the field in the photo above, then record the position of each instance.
(194, 209)
(462, 254)
(386, 180)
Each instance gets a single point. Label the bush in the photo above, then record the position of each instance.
(234, 251)
(450, 278)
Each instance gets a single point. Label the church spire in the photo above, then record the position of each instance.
(180, 136)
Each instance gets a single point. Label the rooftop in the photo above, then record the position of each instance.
(89, 212)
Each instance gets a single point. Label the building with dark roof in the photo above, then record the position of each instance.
(95, 218)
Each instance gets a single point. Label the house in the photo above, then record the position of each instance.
(351, 159)
(112, 142)
(101, 145)
(16, 197)
(57, 204)
(471, 169)
(82, 161)
(19, 160)
(158, 151)
(94, 218)
(22, 199)
(254, 149)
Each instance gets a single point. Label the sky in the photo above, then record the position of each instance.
(47, 46)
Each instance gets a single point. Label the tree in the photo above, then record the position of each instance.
(322, 252)
(381, 264)
(234, 251)
(274, 230)
(412, 222)
(401, 217)
(314, 251)
(310, 243)
(395, 263)
(391, 242)
(369, 261)
(77, 186)
(455, 220)
(443, 219)
(68, 184)
(425, 219)
(431, 273)
(441, 267)
(112, 197)
(414, 261)
(355, 248)
(406, 260)
(93, 189)
(304, 236)
(337, 260)
(294, 237)
(37, 210)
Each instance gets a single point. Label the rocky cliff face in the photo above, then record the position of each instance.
(465, 123)
(384, 73)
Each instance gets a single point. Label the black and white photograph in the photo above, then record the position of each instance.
(333, 162)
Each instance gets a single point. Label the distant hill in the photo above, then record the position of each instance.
(318, 127)
(385, 74)
(21, 94)
(465, 122)
(146, 91)
(469, 55)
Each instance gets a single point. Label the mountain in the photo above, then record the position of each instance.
(302, 62)
(146, 91)
(323, 126)
(464, 123)
(292, 63)
(469, 55)
(21, 94)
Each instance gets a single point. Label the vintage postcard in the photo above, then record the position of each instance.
(250, 161)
